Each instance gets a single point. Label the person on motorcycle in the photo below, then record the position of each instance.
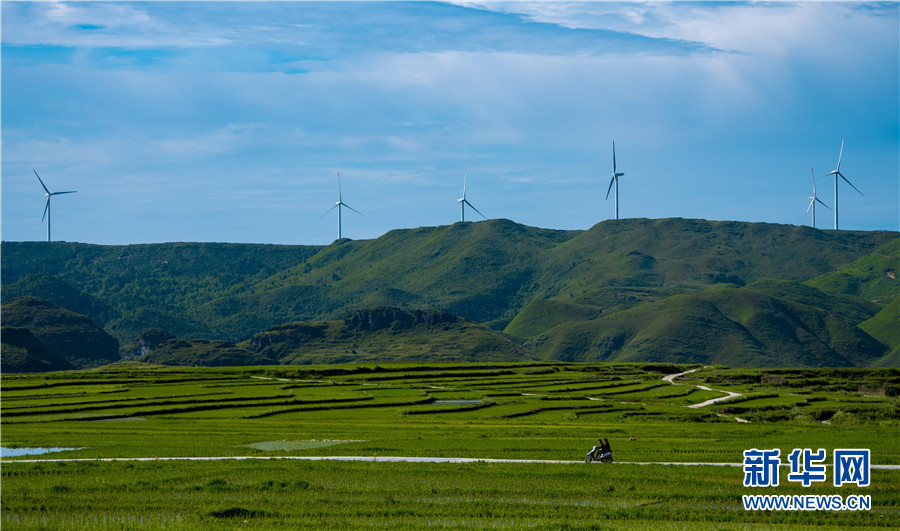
(605, 448)
(600, 452)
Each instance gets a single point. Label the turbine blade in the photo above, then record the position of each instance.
(330, 209)
(811, 203)
(851, 184)
(353, 209)
(614, 156)
(46, 209)
(475, 209)
(39, 179)
(465, 178)
(608, 190)
(823, 204)
(339, 186)
(838, 169)
(814, 181)
(60, 193)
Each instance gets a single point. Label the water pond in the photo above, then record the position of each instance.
(17, 452)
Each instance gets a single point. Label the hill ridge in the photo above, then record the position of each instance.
(512, 277)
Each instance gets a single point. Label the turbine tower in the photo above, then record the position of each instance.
(813, 199)
(837, 173)
(340, 203)
(615, 179)
(462, 201)
(48, 195)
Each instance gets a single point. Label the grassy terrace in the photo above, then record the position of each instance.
(517, 411)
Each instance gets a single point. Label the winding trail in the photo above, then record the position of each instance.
(714, 400)
(671, 379)
(382, 459)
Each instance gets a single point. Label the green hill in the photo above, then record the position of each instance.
(74, 337)
(852, 309)
(873, 276)
(530, 282)
(891, 359)
(481, 271)
(734, 327)
(201, 353)
(885, 325)
(164, 282)
(20, 351)
(385, 334)
(543, 314)
(58, 292)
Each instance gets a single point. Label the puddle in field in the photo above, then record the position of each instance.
(276, 446)
(17, 452)
(455, 402)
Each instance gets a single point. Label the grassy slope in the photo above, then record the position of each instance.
(873, 276)
(480, 271)
(457, 340)
(885, 327)
(75, 337)
(23, 352)
(852, 309)
(620, 264)
(734, 327)
(542, 314)
(697, 253)
(487, 271)
(133, 287)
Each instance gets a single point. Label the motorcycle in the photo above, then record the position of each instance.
(592, 456)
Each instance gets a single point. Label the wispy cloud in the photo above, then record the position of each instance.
(215, 101)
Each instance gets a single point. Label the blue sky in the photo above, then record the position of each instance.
(205, 121)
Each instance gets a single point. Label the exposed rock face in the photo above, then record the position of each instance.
(81, 342)
(387, 317)
(148, 340)
(298, 332)
(202, 353)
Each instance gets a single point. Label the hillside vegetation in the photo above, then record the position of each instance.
(643, 290)
(385, 334)
(38, 333)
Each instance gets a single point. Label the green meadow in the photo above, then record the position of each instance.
(528, 411)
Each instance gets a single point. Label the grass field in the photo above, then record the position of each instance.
(534, 411)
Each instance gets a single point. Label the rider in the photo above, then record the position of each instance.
(605, 449)
(598, 450)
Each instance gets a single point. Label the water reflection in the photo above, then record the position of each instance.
(16, 452)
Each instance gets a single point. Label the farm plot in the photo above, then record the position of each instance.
(342, 495)
(403, 410)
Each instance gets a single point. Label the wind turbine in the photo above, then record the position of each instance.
(48, 195)
(837, 172)
(340, 203)
(615, 179)
(813, 199)
(462, 201)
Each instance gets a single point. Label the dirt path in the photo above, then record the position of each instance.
(671, 379)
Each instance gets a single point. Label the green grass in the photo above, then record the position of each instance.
(315, 495)
(385, 410)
